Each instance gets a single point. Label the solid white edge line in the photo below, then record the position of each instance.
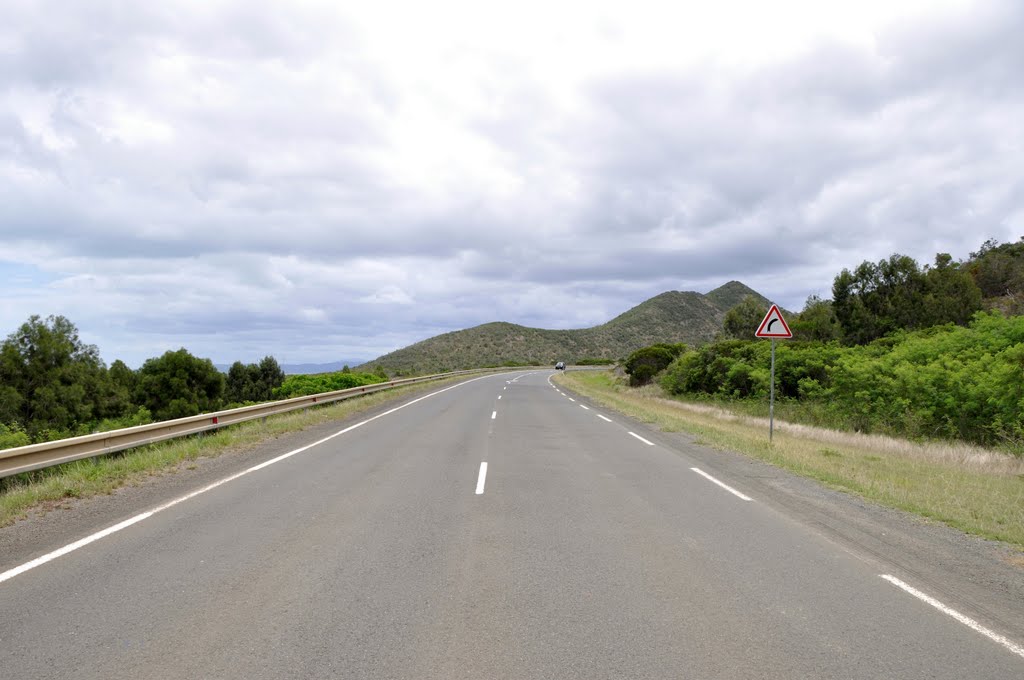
(494, 414)
(967, 621)
(642, 439)
(724, 486)
(607, 420)
(481, 479)
(11, 573)
(82, 542)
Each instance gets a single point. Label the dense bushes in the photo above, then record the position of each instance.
(896, 294)
(51, 382)
(52, 385)
(947, 381)
(900, 349)
(178, 384)
(302, 385)
(253, 383)
(645, 363)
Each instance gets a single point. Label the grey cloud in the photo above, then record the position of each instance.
(672, 178)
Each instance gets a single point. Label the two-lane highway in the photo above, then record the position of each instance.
(496, 529)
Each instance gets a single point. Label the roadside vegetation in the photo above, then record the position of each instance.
(926, 353)
(957, 383)
(318, 383)
(55, 487)
(54, 386)
(907, 387)
(976, 490)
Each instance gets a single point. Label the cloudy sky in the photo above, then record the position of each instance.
(329, 180)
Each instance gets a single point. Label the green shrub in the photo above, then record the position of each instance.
(948, 381)
(646, 362)
(12, 436)
(303, 385)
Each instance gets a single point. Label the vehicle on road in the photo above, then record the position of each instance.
(560, 366)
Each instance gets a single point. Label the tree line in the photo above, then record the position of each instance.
(933, 351)
(53, 385)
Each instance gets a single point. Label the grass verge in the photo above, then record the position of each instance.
(977, 491)
(51, 488)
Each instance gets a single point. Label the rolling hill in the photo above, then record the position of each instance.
(674, 316)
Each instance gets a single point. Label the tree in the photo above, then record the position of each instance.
(741, 321)
(239, 384)
(998, 269)
(951, 295)
(896, 294)
(255, 382)
(817, 322)
(120, 390)
(646, 362)
(51, 380)
(10, 404)
(178, 384)
(268, 376)
(122, 376)
(877, 299)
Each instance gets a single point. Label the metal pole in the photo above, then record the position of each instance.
(771, 400)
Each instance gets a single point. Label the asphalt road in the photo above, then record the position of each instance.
(584, 552)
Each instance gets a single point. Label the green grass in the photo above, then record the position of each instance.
(977, 491)
(51, 488)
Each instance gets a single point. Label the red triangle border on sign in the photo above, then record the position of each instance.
(762, 330)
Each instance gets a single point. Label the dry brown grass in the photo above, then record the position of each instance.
(958, 454)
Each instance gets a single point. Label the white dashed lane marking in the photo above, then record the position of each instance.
(481, 479)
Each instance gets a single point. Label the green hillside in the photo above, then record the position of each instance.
(731, 294)
(693, 318)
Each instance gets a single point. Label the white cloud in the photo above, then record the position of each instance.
(223, 175)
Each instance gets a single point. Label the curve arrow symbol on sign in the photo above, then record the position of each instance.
(773, 316)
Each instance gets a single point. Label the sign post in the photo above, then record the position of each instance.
(768, 329)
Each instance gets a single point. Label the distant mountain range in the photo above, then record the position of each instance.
(689, 317)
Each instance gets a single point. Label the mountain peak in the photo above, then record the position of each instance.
(729, 295)
(672, 316)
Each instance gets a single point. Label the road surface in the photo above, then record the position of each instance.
(585, 548)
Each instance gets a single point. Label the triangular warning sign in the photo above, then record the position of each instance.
(774, 326)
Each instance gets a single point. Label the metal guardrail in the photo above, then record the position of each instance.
(46, 454)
